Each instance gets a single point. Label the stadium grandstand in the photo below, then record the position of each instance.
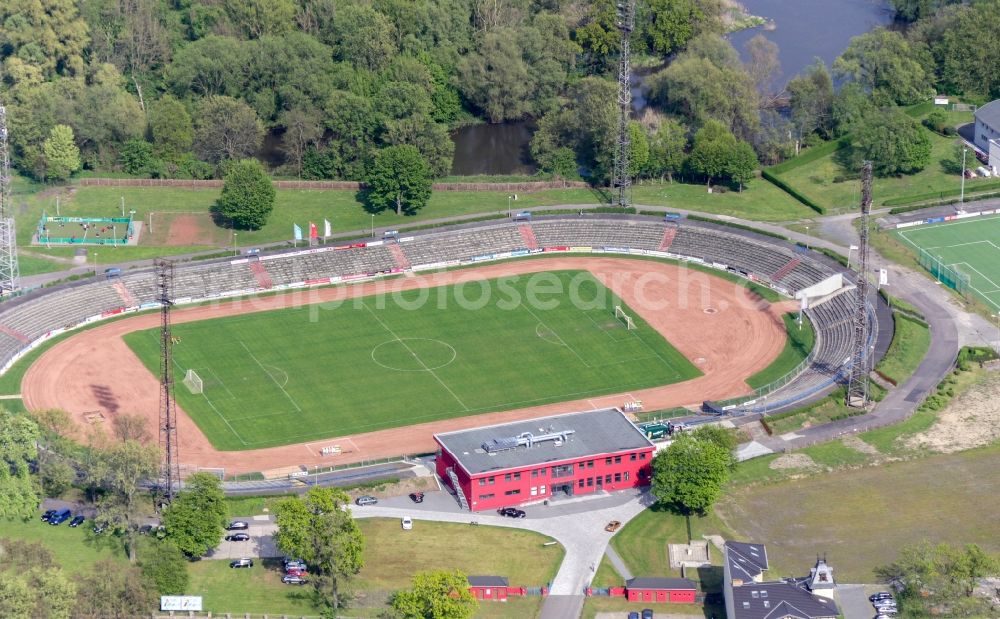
(791, 270)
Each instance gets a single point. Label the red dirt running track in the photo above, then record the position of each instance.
(725, 330)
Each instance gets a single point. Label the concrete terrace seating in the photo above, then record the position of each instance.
(38, 314)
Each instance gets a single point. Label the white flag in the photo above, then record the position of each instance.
(803, 304)
(326, 228)
(854, 246)
(883, 277)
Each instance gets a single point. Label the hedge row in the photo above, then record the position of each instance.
(934, 195)
(811, 154)
(782, 185)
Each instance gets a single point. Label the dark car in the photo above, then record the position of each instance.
(48, 514)
(238, 537)
(881, 595)
(647, 613)
(511, 512)
(61, 516)
(290, 579)
(241, 563)
(417, 497)
(238, 525)
(77, 521)
(633, 615)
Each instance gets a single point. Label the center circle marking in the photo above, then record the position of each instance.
(411, 347)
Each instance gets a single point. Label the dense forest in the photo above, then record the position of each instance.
(177, 88)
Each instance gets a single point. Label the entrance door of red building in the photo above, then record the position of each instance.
(647, 596)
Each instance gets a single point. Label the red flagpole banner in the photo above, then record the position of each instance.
(312, 230)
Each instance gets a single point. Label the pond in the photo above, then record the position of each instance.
(493, 149)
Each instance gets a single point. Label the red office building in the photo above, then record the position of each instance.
(529, 461)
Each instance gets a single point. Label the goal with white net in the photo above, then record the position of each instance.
(625, 318)
(193, 382)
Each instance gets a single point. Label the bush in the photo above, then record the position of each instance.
(137, 157)
(248, 195)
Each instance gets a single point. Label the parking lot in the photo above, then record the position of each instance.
(260, 544)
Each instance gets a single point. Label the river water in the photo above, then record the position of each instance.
(493, 149)
(807, 29)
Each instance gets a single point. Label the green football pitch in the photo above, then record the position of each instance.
(299, 374)
(972, 246)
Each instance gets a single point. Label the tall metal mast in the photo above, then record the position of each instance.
(171, 472)
(10, 274)
(857, 385)
(621, 182)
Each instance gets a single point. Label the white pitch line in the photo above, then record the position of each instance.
(269, 375)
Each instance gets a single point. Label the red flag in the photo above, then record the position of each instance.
(312, 230)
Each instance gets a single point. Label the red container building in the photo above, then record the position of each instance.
(662, 590)
(528, 461)
(489, 588)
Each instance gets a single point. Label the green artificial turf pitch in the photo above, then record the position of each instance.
(970, 245)
(299, 374)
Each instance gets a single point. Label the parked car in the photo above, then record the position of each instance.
(633, 615)
(99, 527)
(294, 571)
(77, 521)
(881, 595)
(61, 516)
(647, 613)
(417, 497)
(407, 523)
(365, 500)
(48, 514)
(511, 512)
(290, 579)
(238, 525)
(241, 563)
(612, 526)
(238, 537)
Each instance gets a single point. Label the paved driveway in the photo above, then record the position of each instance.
(854, 604)
(260, 545)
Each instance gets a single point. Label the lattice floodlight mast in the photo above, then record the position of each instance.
(170, 475)
(857, 385)
(621, 181)
(10, 274)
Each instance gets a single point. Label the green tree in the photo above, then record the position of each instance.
(319, 529)
(895, 143)
(247, 195)
(399, 178)
(598, 35)
(495, 77)
(638, 161)
(672, 23)
(303, 128)
(171, 127)
(108, 590)
(811, 99)
(226, 129)
(711, 152)
(49, 37)
(886, 65)
(213, 65)
(963, 43)
(437, 594)
(666, 149)
(19, 436)
(363, 37)
(430, 138)
(912, 10)
(940, 580)
(163, 565)
(850, 106)
(137, 157)
(723, 437)
(742, 164)
(196, 519)
(120, 470)
(36, 586)
(56, 476)
(690, 474)
(62, 157)
(256, 18)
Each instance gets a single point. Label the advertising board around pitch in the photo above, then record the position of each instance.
(180, 602)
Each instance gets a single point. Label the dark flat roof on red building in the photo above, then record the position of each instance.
(540, 441)
(673, 584)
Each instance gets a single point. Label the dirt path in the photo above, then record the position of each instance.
(725, 330)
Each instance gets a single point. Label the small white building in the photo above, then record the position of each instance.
(987, 132)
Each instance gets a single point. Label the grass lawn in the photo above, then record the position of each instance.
(256, 590)
(343, 209)
(860, 518)
(622, 607)
(971, 246)
(76, 550)
(260, 391)
(797, 347)
(392, 555)
(910, 342)
(816, 181)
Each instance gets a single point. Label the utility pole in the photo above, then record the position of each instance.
(10, 273)
(961, 197)
(171, 472)
(621, 182)
(857, 385)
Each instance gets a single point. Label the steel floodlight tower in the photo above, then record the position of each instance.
(10, 274)
(857, 384)
(621, 182)
(170, 475)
